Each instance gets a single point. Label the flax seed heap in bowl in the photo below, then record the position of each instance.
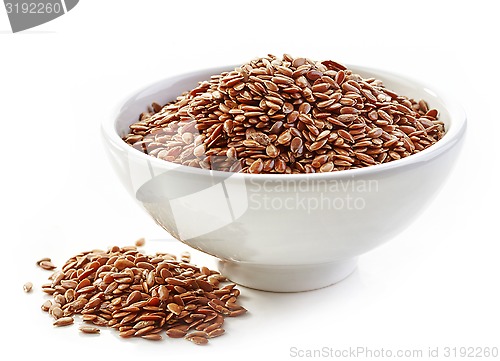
(286, 115)
(285, 169)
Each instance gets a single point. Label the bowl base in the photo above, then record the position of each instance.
(287, 278)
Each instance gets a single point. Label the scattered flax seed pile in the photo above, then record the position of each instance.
(141, 295)
(289, 115)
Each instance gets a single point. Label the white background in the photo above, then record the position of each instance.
(435, 285)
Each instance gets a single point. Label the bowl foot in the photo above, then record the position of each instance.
(287, 278)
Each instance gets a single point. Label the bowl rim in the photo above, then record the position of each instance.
(456, 129)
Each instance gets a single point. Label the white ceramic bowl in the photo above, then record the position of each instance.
(284, 232)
